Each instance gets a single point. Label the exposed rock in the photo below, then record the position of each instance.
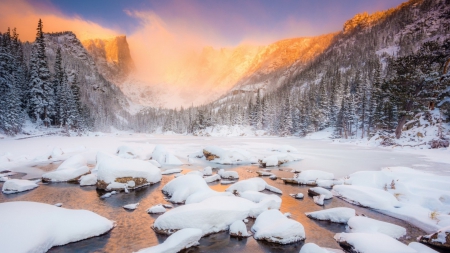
(209, 156)
(439, 143)
(440, 239)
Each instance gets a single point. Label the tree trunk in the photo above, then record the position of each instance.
(398, 130)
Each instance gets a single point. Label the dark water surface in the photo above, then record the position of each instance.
(133, 231)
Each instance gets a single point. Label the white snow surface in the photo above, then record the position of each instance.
(178, 241)
(110, 168)
(131, 206)
(18, 185)
(373, 243)
(207, 171)
(170, 171)
(252, 184)
(89, 179)
(313, 248)
(212, 215)
(319, 199)
(71, 168)
(275, 227)
(164, 157)
(360, 224)
(156, 209)
(212, 178)
(366, 196)
(228, 174)
(155, 163)
(48, 226)
(310, 176)
(421, 248)
(337, 214)
(231, 156)
(322, 191)
(238, 228)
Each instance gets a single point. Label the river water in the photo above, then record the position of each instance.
(134, 232)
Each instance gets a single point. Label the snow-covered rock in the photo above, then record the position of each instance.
(113, 169)
(337, 214)
(297, 196)
(441, 238)
(238, 229)
(18, 185)
(329, 183)
(156, 209)
(70, 170)
(227, 182)
(131, 206)
(311, 176)
(178, 241)
(188, 189)
(211, 215)
(126, 152)
(257, 197)
(229, 174)
(108, 194)
(155, 163)
(366, 196)
(273, 226)
(270, 161)
(89, 179)
(171, 171)
(212, 178)
(316, 191)
(361, 224)
(226, 157)
(207, 171)
(319, 199)
(47, 226)
(164, 157)
(252, 184)
(314, 248)
(278, 159)
(371, 243)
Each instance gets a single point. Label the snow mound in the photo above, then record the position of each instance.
(48, 226)
(338, 214)
(273, 226)
(188, 189)
(113, 169)
(89, 179)
(228, 174)
(372, 243)
(238, 229)
(319, 199)
(360, 224)
(155, 163)
(213, 178)
(257, 197)
(70, 170)
(131, 206)
(18, 185)
(162, 156)
(178, 241)
(315, 191)
(329, 183)
(311, 176)
(212, 215)
(171, 171)
(313, 248)
(252, 184)
(297, 196)
(156, 209)
(207, 171)
(227, 157)
(366, 196)
(126, 152)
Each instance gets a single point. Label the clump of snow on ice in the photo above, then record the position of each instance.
(182, 239)
(316, 191)
(108, 194)
(372, 243)
(207, 171)
(213, 178)
(361, 224)
(111, 168)
(319, 199)
(164, 157)
(297, 196)
(89, 179)
(238, 229)
(211, 215)
(252, 184)
(273, 226)
(18, 185)
(48, 226)
(131, 206)
(229, 174)
(338, 214)
(156, 209)
(70, 169)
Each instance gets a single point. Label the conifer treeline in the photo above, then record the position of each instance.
(31, 91)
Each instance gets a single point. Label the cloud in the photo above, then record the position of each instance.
(24, 16)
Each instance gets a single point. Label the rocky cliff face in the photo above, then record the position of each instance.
(112, 57)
